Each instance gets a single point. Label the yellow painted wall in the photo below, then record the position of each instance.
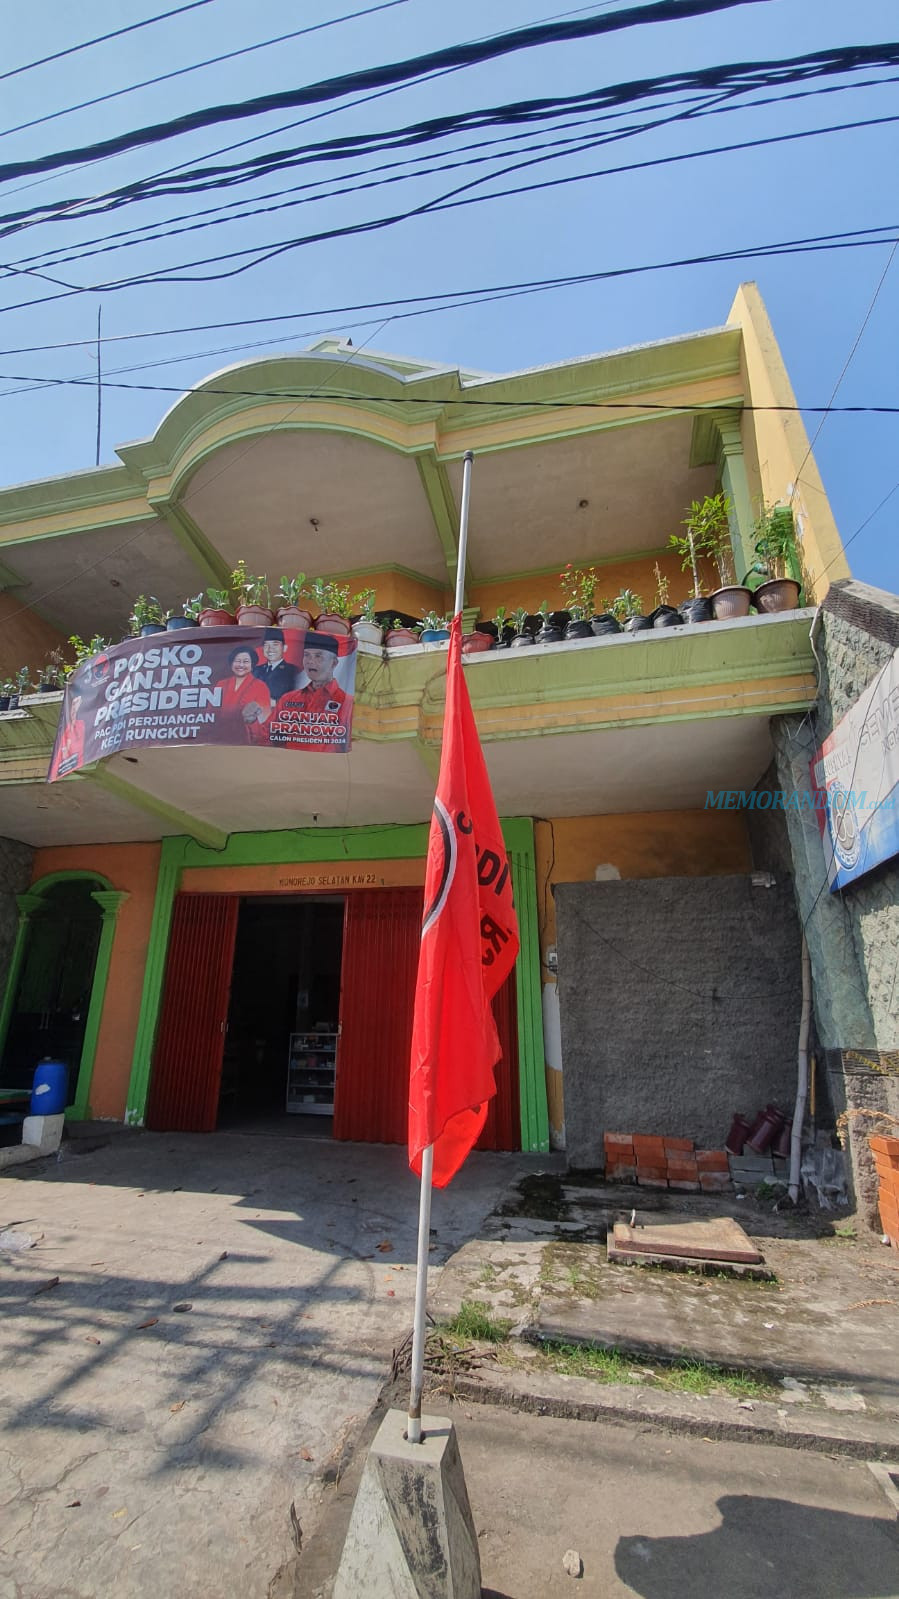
(25, 638)
(613, 576)
(134, 868)
(779, 466)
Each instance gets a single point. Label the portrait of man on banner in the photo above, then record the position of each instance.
(317, 715)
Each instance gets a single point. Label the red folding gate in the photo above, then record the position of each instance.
(380, 962)
(187, 1065)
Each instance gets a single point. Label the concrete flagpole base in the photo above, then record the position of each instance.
(411, 1534)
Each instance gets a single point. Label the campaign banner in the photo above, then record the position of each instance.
(855, 773)
(285, 688)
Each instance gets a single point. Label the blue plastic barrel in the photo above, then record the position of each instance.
(50, 1088)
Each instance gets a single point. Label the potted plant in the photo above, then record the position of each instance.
(521, 630)
(86, 649)
(698, 608)
(146, 616)
(52, 672)
(434, 630)
(708, 527)
(291, 613)
(578, 593)
(366, 630)
(400, 635)
(189, 615)
(478, 641)
(332, 601)
(219, 610)
(547, 632)
(775, 545)
(504, 629)
(7, 690)
(664, 615)
(253, 598)
(627, 609)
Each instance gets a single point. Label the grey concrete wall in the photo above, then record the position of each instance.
(853, 935)
(679, 1001)
(15, 875)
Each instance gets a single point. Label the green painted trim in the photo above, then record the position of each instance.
(111, 783)
(533, 1109)
(212, 567)
(400, 842)
(171, 861)
(109, 901)
(444, 512)
(69, 532)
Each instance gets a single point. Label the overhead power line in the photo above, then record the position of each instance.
(470, 54)
(102, 38)
(459, 299)
(198, 66)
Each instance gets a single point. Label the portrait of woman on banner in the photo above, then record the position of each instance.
(245, 700)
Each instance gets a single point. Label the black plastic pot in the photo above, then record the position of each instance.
(487, 627)
(149, 628)
(697, 610)
(175, 623)
(577, 628)
(560, 619)
(638, 624)
(666, 616)
(13, 702)
(607, 623)
(4, 702)
(504, 640)
(549, 634)
(49, 688)
(521, 640)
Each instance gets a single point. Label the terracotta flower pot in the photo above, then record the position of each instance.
(476, 643)
(731, 601)
(212, 618)
(337, 626)
(293, 616)
(254, 616)
(400, 638)
(778, 594)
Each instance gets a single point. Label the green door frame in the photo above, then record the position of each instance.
(308, 845)
(109, 901)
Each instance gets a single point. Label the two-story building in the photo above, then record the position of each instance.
(194, 928)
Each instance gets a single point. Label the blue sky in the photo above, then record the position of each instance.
(811, 186)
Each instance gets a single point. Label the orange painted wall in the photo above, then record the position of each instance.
(612, 578)
(394, 591)
(648, 844)
(25, 638)
(134, 868)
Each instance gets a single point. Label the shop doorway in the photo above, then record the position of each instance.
(52, 1002)
(280, 1054)
(294, 1013)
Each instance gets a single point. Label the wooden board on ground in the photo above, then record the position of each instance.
(717, 1239)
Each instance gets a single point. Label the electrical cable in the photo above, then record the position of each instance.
(88, 44)
(375, 77)
(741, 77)
(198, 66)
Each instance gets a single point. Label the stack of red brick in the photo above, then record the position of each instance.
(657, 1162)
(886, 1159)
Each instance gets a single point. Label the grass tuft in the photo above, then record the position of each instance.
(475, 1321)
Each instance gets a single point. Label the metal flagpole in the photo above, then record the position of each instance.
(413, 1431)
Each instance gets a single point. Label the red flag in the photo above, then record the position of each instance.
(469, 942)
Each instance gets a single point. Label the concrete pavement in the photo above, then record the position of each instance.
(189, 1346)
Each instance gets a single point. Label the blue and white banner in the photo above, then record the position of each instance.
(856, 770)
